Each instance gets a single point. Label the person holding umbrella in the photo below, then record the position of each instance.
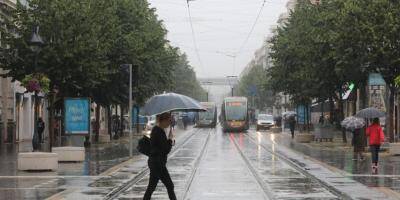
(160, 147)
(292, 124)
(355, 125)
(376, 138)
(160, 144)
(374, 132)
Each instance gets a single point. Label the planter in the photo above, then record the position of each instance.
(69, 154)
(104, 138)
(37, 161)
(394, 148)
(304, 137)
(323, 134)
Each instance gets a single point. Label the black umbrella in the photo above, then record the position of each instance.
(170, 102)
(370, 113)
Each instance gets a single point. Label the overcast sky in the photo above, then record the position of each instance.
(220, 28)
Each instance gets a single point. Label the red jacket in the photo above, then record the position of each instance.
(375, 134)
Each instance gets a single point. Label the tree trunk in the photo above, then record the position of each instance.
(97, 124)
(340, 117)
(51, 120)
(5, 102)
(354, 110)
(363, 96)
(120, 128)
(109, 124)
(389, 121)
(331, 109)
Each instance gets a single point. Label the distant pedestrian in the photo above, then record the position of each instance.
(376, 138)
(358, 144)
(185, 121)
(292, 125)
(40, 129)
(160, 147)
(321, 120)
(173, 122)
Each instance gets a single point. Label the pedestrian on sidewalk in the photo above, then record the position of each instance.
(160, 147)
(376, 138)
(173, 122)
(292, 125)
(40, 129)
(358, 144)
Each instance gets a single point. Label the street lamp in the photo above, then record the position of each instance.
(35, 44)
(208, 83)
(229, 77)
(130, 108)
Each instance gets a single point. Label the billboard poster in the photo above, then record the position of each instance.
(301, 114)
(77, 115)
(377, 88)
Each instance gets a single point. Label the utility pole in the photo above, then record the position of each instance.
(232, 84)
(124, 66)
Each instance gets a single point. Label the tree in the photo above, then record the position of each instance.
(253, 85)
(86, 42)
(185, 81)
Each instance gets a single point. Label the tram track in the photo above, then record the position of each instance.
(266, 189)
(141, 174)
(197, 163)
(294, 165)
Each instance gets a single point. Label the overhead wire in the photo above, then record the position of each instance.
(196, 49)
(250, 32)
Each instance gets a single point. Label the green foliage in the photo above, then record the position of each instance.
(397, 81)
(255, 80)
(339, 41)
(86, 42)
(42, 80)
(185, 81)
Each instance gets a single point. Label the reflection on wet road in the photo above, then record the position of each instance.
(223, 174)
(180, 164)
(207, 164)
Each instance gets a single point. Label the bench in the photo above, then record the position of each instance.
(69, 153)
(37, 161)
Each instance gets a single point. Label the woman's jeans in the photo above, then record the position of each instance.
(375, 152)
(158, 171)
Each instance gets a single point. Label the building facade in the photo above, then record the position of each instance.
(16, 105)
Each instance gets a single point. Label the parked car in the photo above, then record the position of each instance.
(265, 121)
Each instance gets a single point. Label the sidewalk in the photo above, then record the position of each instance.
(99, 158)
(338, 157)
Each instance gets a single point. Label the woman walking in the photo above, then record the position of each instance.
(160, 147)
(376, 138)
(358, 144)
(292, 125)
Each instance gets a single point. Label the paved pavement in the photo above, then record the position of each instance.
(100, 159)
(339, 157)
(208, 164)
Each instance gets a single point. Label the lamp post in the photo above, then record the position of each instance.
(35, 44)
(230, 77)
(130, 108)
(208, 83)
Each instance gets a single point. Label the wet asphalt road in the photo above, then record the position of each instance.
(205, 164)
(216, 166)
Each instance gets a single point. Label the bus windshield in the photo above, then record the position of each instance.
(208, 115)
(236, 111)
